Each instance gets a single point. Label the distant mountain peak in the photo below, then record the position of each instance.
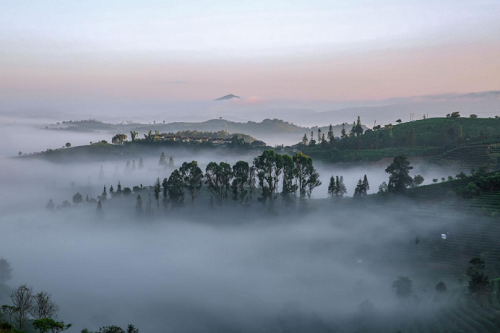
(230, 96)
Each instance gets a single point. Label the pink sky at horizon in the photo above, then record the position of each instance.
(106, 56)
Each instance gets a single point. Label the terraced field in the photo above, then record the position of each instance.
(466, 157)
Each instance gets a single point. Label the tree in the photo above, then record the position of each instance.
(403, 287)
(418, 180)
(133, 135)
(319, 135)
(455, 115)
(104, 194)
(307, 177)
(382, 188)
(358, 191)
(343, 133)
(331, 187)
(217, 179)
(289, 174)
(399, 121)
(269, 166)
(305, 141)
(9, 310)
(399, 178)
(77, 198)
(163, 160)
(20, 153)
(5, 271)
(46, 325)
(331, 136)
(43, 306)
(141, 163)
(157, 190)
(340, 189)
(479, 283)
(164, 186)
(358, 129)
(192, 177)
(176, 188)
(68, 144)
(366, 185)
(241, 174)
(22, 300)
(171, 162)
(99, 206)
(473, 116)
(119, 138)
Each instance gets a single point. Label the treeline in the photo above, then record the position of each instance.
(29, 311)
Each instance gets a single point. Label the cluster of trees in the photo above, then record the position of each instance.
(295, 174)
(329, 140)
(336, 187)
(30, 309)
(114, 329)
(487, 183)
(271, 175)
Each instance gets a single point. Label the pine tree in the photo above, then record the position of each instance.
(163, 160)
(331, 137)
(111, 190)
(157, 190)
(366, 185)
(358, 191)
(104, 195)
(305, 140)
(319, 135)
(337, 187)
(99, 206)
(164, 184)
(342, 188)
(343, 133)
(358, 129)
(171, 162)
(331, 187)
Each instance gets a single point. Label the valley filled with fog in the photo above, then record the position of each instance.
(324, 267)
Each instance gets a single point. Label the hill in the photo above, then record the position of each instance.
(230, 96)
(463, 142)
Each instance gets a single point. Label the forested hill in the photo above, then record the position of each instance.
(269, 130)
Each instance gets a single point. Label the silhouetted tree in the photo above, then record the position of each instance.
(403, 287)
(68, 144)
(50, 205)
(241, 174)
(478, 281)
(289, 174)
(269, 166)
(43, 306)
(22, 300)
(399, 177)
(305, 140)
(77, 198)
(331, 187)
(163, 160)
(331, 136)
(217, 179)
(192, 177)
(157, 190)
(176, 188)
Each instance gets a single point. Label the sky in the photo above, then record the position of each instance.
(132, 51)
